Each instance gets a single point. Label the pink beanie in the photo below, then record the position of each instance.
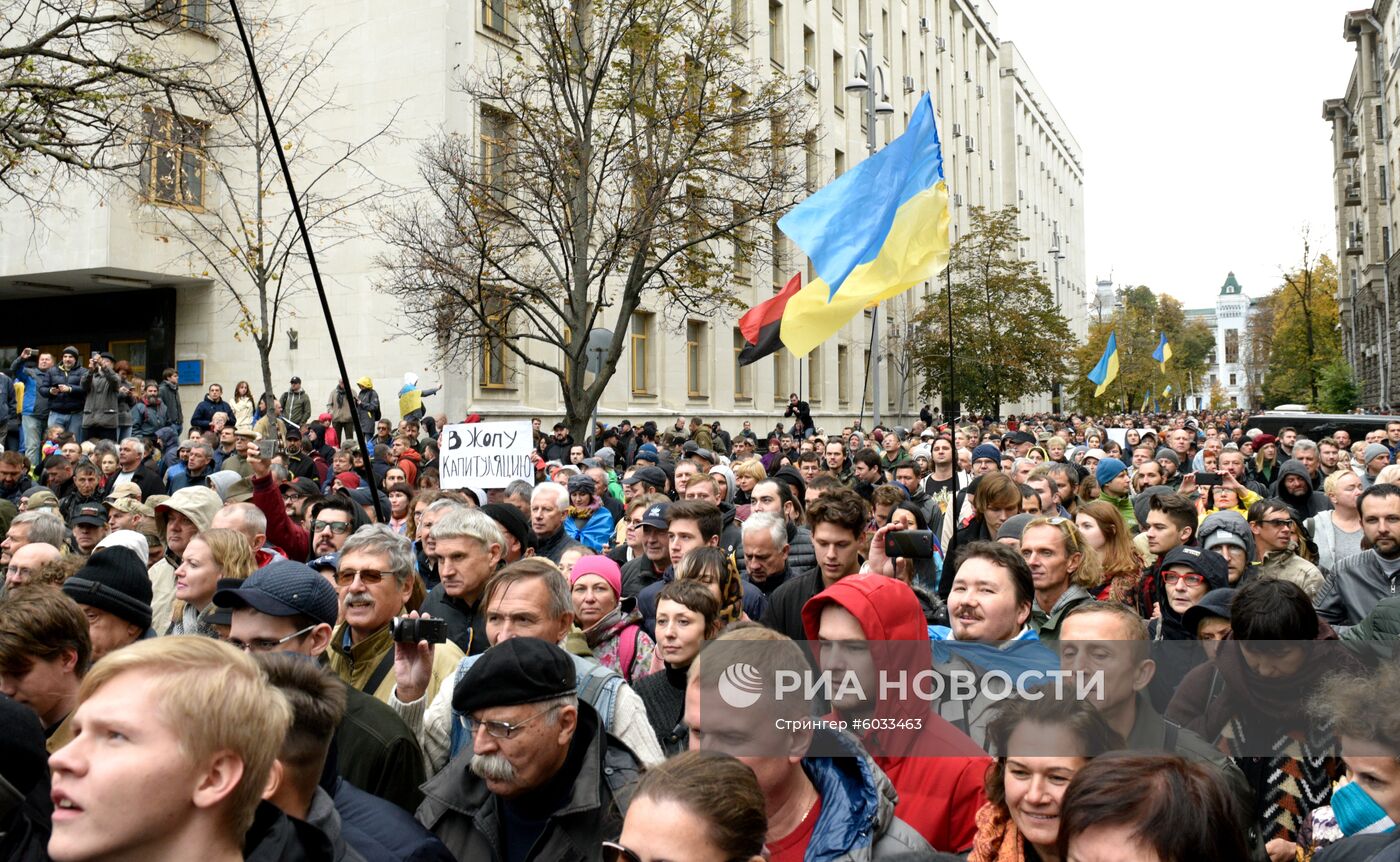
(599, 565)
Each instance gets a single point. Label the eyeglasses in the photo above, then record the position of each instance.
(262, 645)
(1279, 523)
(340, 528)
(1191, 579)
(502, 729)
(1071, 534)
(368, 577)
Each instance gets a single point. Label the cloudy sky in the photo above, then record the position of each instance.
(1201, 123)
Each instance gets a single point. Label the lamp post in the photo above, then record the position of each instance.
(872, 85)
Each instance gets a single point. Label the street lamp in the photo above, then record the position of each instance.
(870, 82)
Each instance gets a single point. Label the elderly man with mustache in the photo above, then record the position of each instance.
(374, 577)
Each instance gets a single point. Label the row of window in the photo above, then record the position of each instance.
(495, 371)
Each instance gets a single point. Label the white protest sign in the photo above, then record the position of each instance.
(486, 454)
(1119, 436)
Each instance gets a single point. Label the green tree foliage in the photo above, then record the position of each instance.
(1138, 323)
(1009, 339)
(1338, 389)
(1306, 337)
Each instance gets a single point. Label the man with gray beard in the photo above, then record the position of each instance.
(541, 781)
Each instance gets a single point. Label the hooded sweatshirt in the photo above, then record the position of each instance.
(1309, 502)
(936, 770)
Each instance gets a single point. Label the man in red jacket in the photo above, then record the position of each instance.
(872, 628)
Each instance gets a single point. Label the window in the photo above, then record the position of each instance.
(739, 19)
(743, 237)
(809, 55)
(642, 323)
(839, 164)
(814, 376)
(493, 15)
(495, 145)
(743, 374)
(1232, 345)
(779, 265)
(814, 165)
(493, 349)
(838, 9)
(863, 13)
(695, 364)
(782, 377)
(1232, 379)
(885, 34)
(843, 374)
(192, 14)
(775, 33)
(865, 388)
(838, 83)
(173, 169)
(133, 351)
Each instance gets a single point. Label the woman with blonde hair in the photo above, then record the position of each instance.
(1104, 530)
(746, 475)
(210, 556)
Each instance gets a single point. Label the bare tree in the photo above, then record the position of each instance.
(625, 147)
(246, 239)
(77, 78)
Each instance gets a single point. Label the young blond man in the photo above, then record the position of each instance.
(174, 741)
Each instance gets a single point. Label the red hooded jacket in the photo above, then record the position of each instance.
(937, 770)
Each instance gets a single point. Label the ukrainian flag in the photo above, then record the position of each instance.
(1167, 391)
(1107, 369)
(1163, 353)
(872, 233)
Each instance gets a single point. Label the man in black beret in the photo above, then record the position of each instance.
(114, 592)
(542, 780)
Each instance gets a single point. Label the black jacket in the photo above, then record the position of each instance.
(377, 752)
(638, 573)
(1362, 848)
(469, 819)
(552, 546)
(466, 625)
(1307, 504)
(66, 402)
(784, 613)
(275, 837)
(170, 397)
(148, 480)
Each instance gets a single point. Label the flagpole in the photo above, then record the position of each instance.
(952, 391)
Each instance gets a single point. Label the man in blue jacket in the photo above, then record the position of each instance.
(33, 371)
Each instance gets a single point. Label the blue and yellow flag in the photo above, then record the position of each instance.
(1168, 391)
(1162, 353)
(872, 233)
(1107, 369)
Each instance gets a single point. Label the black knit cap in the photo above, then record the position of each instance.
(115, 581)
(23, 760)
(515, 671)
(511, 520)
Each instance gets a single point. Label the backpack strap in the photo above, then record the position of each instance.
(627, 650)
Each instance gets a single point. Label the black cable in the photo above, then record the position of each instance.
(379, 511)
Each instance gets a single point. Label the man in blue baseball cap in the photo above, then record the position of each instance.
(289, 607)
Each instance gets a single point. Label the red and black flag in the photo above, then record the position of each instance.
(761, 324)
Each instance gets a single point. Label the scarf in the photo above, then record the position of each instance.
(583, 513)
(997, 838)
(731, 592)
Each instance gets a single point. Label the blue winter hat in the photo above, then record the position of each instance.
(987, 451)
(647, 451)
(1108, 470)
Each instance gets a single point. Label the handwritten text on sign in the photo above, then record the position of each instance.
(486, 454)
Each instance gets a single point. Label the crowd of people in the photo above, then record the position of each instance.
(235, 637)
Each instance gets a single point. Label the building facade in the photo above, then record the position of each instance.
(1229, 361)
(116, 276)
(1365, 155)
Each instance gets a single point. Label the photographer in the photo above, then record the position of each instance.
(104, 389)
